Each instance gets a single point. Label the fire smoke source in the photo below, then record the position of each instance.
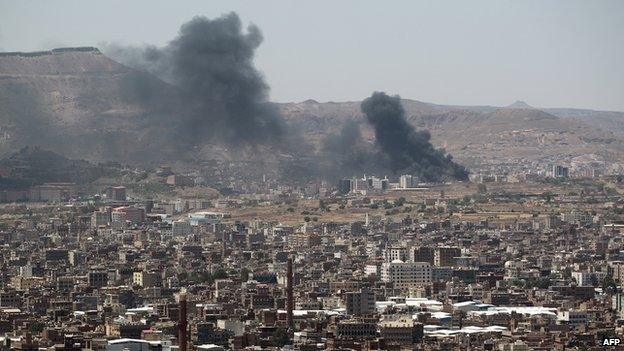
(223, 95)
(407, 149)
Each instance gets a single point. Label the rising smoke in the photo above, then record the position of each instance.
(408, 150)
(222, 95)
(346, 153)
(347, 140)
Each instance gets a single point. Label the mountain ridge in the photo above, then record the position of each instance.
(82, 104)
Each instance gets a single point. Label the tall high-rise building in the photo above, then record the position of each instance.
(406, 181)
(344, 186)
(405, 275)
(393, 253)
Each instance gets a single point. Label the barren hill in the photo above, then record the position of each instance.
(82, 104)
(481, 137)
(75, 101)
(33, 166)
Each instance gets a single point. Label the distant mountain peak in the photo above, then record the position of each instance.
(520, 105)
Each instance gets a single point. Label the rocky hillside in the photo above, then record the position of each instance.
(33, 166)
(74, 101)
(481, 136)
(82, 104)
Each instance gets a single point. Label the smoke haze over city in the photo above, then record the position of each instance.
(309, 176)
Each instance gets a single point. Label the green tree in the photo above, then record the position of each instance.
(399, 202)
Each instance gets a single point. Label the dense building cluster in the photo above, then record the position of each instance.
(369, 264)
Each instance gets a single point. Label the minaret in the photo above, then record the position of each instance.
(182, 323)
(289, 295)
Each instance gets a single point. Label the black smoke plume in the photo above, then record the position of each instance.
(222, 95)
(346, 142)
(408, 150)
(347, 154)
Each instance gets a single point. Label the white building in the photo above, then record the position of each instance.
(518, 345)
(372, 269)
(405, 275)
(395, 253)
(206, 217)
(236, 327)
(399, 329)
(137, 345)
(406, 181)
(209, 347)
(476, 291)
(582, 278)
(26, 271)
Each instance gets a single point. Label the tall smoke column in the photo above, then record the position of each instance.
(182, 323)
(223, 95)
(408, 150)
(289, 295)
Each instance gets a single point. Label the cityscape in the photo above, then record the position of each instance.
(154, 197)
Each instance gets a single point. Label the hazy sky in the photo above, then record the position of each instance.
(566, 53)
